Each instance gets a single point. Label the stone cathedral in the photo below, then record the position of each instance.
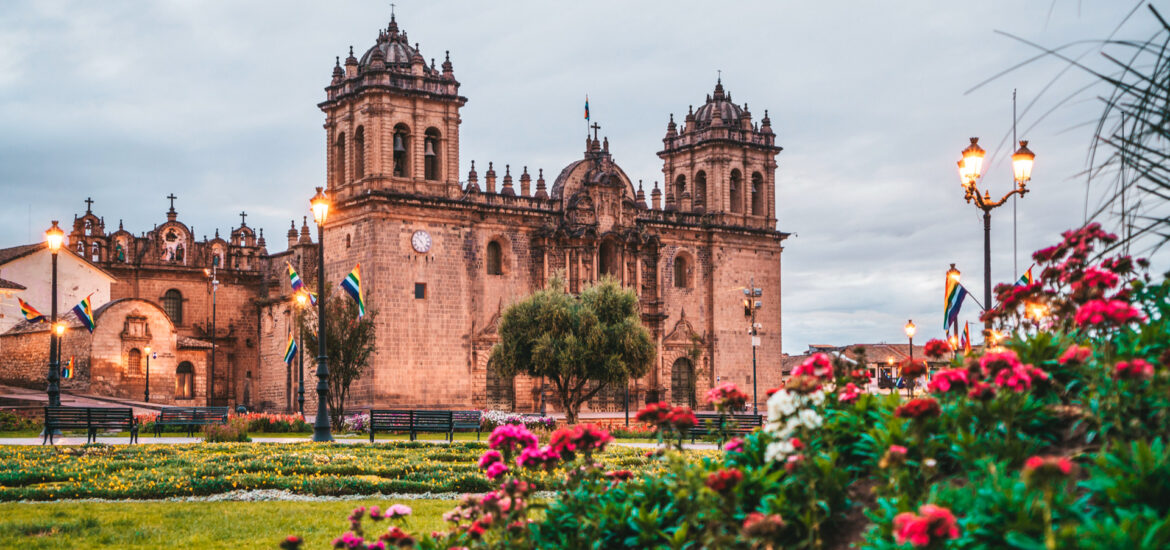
(443, 257)
(443, 253)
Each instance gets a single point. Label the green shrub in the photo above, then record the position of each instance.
(234, 431)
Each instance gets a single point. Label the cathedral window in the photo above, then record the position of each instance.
(401, 150)
(609, 258)
(172, 303)
(735, 188)
(347, 240)
(134, 361)
(495, 260)
(431, 155)
(185, 381)
(680, 271)
(700, 191)
(359, 153)
(339, 158)
(757, 194)
(420, 291)
(680, 186)
(96, 253)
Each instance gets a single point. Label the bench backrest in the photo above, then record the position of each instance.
(466, 419)
(709, 422)
(432, 419)
(97, 417)
(383, 419)
(192, 414)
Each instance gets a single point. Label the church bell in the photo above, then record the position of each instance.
(398, 148)
(430, 148)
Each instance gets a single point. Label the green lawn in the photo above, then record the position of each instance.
(193, 524)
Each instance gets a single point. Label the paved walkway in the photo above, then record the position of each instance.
(40, 398)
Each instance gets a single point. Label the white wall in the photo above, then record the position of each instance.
(76, 279)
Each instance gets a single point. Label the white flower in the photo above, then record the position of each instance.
(930, 463)
(780, 405)
(817, 397)
(810, 419)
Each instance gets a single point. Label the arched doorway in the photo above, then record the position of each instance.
(185, 381)
(682, 382)
(501, 391)
(610, 259)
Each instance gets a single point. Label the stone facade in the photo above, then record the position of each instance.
(441, 258)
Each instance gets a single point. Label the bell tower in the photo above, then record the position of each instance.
(392, 121)
(721, 164)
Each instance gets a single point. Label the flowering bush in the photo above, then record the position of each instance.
(937, 348)
(493, 419)
(931, 526)
(727, 397)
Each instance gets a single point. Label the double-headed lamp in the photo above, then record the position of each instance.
(55, 237)
(972, 164)
(320, 205)
(1022, 161)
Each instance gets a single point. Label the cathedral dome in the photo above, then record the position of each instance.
(394, 52)
(721, 103)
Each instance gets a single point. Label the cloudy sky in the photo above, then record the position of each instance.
(127, 102)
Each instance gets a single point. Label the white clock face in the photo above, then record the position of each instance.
(421, 241)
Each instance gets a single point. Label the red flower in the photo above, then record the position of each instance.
(994, 362)
(948, 380)
(727, 397)
(849, 393)
(937, 348)
(1097, 279)
(793, 462)
(817, 366)
(771, 391)
(759, 525)
(981, 391)
(913, 369)
(653, 413)
(1075, 354)
(1136, 369)
(918, 408)
(724, 480)
(1107, 312)
(932, 523)
(1044, 469)
(682, 418)
(619, 475)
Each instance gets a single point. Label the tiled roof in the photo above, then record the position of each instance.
(9, 254)
(5, 284)
(191, 343)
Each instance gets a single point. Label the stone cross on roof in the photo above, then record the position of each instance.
(88, 205)
(243, 219)
(595, 127)
(172, 198)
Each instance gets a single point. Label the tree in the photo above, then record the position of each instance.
(350, 343)
(596, 336)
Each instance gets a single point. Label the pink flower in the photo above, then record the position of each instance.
(532, 457)
(724, 480)
(727, 397)
(950, 379)
(398, 511)
(817, 366)
(1046, 469)
(849, 393)
(511, 438)
(1075, 354)
(489, 458)
(759, 525)
(898, 449)
(1096, 278)
(981, 391)
(496, 470)
(930, 524)
(734, 446)
(1107, 312)
(793, 462)
(918, 408)
(994, 362)
(1135, 369)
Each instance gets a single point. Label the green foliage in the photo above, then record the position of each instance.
(581, 344)
(13, 422)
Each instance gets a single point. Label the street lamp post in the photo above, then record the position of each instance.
(302, 300)
(970, 172)
(214, 288)
(54, 236)
(752, 304)
(321, 427)
(910, 330)
(146, 393)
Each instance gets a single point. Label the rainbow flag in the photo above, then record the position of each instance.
(965, 340)
(586, 106)
(30, 313)
(290, 351)
(952, 303)
(353, 285)
(298, 285)
(67, 370)
(84, 311)
(1026, 279)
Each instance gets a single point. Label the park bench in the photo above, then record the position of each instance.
(189, 417)
(467, 420)
(414, 422)
(736, 424)
(90, 419)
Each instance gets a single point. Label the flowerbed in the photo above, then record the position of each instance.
(1056, 440)
(160, 471)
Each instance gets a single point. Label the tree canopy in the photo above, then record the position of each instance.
(596, 336)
